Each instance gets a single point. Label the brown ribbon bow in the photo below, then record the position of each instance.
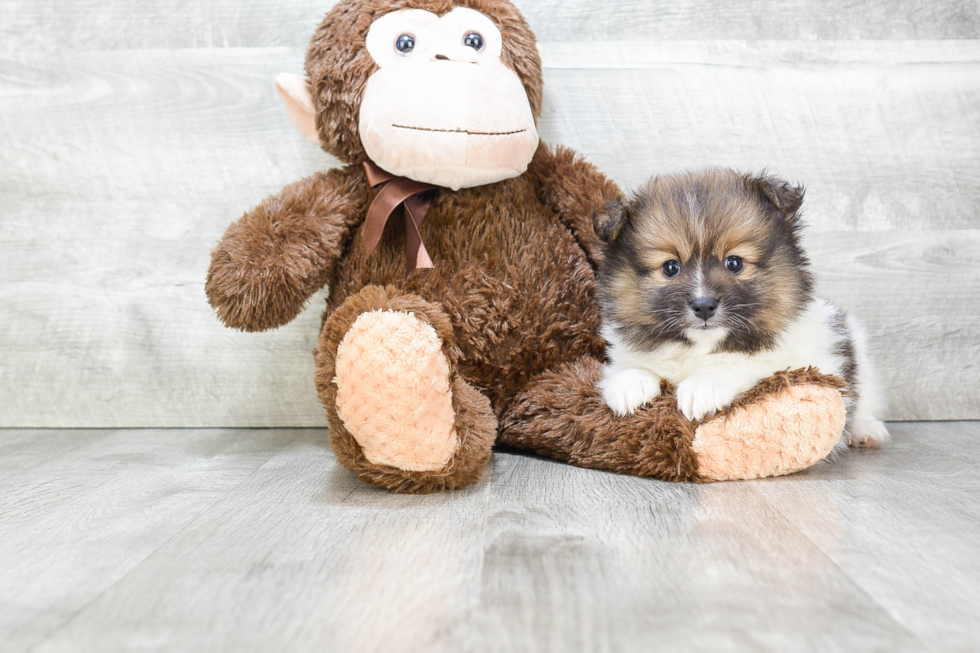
(413, 198)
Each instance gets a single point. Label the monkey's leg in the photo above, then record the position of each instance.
(400, 416)
(787, 423)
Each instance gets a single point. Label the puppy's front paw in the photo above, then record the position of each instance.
(699, 396)
(867, 433)
(626, 390)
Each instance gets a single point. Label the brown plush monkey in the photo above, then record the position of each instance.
(492, 334)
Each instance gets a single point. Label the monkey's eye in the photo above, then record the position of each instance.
(474, 40)
(671, 269)
(405, 43)
(734, 264)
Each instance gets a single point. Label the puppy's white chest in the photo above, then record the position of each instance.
(671, 361)
(678, 363)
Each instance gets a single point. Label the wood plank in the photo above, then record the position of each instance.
(72, 527)
(118, 24)
(906, 288)
(884, 135)
(872, 551)
(136, 175)
(596, 562)
(910, 507)
(24, 450)
(121, 169)
(298, 556)
(952, 438)
(665, 20)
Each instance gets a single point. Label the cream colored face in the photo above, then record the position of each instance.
(443, 108)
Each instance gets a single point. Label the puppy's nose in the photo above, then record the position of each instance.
(441, 57)
(704, 307)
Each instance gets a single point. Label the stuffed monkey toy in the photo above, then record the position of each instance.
(460, 255)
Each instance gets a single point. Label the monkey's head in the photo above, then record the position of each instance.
(445, 92)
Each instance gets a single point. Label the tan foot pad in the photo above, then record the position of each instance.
(393, 391)
(789, 431)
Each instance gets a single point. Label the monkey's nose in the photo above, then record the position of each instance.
(441, 57)
(704, 307)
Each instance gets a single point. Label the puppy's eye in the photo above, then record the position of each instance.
(734, 264)
(671, 269)
(473, 40)
(405, 43)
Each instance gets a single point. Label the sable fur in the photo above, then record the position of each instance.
(512, 295)
(697, 219)
(706, 285)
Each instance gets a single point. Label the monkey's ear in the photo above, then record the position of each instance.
(297, 98)
(609, 222)
(784, 196)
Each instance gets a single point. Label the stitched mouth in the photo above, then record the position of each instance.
(460, 131)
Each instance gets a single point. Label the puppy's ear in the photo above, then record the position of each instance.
(609, 222)
(786, 197)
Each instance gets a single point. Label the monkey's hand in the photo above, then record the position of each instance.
(575, 190)
(270, 262)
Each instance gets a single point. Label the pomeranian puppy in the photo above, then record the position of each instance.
(704, 284)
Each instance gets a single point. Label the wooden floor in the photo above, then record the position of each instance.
(257, 540)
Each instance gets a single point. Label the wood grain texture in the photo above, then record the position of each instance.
(121, 174)
(53, 25)
(664, 20)
(874, 514)
(120, 170)
(258, 541)
(75, 519)
(885, 135)
(906, 288)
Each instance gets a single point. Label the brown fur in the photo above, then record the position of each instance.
(517, 283)
(512, 295)
(270, 262)
(562, 415)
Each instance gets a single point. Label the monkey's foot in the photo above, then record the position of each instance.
(783, 431)
(400, 415)
(393, 391)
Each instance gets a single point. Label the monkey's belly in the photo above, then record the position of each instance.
(513, 280)
(517, 317)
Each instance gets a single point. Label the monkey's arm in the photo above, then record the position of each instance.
(576, 191)
(277, 255)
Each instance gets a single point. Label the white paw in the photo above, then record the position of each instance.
(626, 390)
(867, 433)
(703, 395)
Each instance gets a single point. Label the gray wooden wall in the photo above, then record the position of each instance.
(132, 133)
